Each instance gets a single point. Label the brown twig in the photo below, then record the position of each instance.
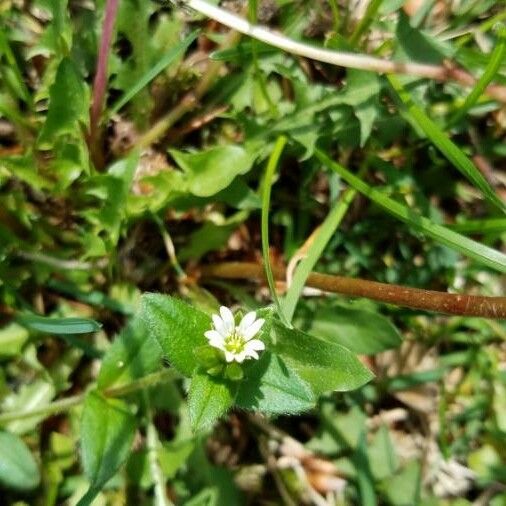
(415, 298)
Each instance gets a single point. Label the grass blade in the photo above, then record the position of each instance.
(153, 72)
(272, 165)
(479, 252)
(450, 150)
(322, 237)
(496, 59)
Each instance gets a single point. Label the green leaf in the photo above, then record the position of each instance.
(178, 327)
(212, 170)
(272, 387)
(404, 488)
(417, 45)
(362, 92)
(320, 240)
(359, 330)
(68, 104)
(364, 475)
(112, 190)
(133, 354)
(487, 256)
(208, 399)
(12, 339)
(58, 326)
(107, 431)
(451, 151)
(381, 453)
(18, 469)
(493, 66)
(209, 237)
(146, 78)
(29, 397)
(325, 366)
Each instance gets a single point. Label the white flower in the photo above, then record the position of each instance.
(236, 341)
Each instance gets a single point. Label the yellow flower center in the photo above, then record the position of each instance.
(234, 343)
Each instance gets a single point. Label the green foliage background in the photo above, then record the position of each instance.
(397, 179)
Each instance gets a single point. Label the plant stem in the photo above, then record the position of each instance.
(69, 402)
(343, 59)
(153, 445)
(272, 165)
(366, 21)
(316, 245)
(100, 81)
(415, 298)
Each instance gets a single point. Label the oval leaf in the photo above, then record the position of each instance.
(132, 355)
(272, 387)
(212, 170)
(178, 327)
(107, 429)
(208, 399)
(361, 331)
(325, 366)
(18, 469)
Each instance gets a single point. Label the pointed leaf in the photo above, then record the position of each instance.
(325, 366)
(60, 326)
(107, 429)
(361, 331)
(208, 399)
(272, 387)
(133, 354)
(178, 327)
(68, 103)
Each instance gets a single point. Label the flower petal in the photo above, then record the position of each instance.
(255, 345)
(215, 339)
(246, 321)
(219, 325)
(253, 329)
(239, 357)
(229, 357)
(251, 354)
(228, 319)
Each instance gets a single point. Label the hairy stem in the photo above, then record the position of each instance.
(415, 298)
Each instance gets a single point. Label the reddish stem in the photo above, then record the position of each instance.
(100, 81)
(430, 300)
